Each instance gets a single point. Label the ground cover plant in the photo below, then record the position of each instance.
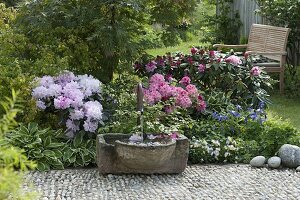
(11, 157)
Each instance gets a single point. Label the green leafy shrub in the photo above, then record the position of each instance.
(275, 134)
(12, 158)
(50, 149)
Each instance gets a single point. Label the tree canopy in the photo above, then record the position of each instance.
(96, 36)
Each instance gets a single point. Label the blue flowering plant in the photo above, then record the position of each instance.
(76, 98)
(235, 118)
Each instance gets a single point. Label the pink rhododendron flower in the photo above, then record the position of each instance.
(152, 97)
(192, 90)
(165, 90)
(181, 92)
(156, 79)
(201, 106)
(233, 60)
(212, 54)
(255, 71)
(201, 68)
(200, 98)
(174, 136)
(183, 101)
(190, 60)
(185, 81)
(151, 66)
(194, 50)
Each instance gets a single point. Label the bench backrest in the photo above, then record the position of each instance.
(265, 38)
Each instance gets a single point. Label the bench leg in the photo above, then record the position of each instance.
(281, 82)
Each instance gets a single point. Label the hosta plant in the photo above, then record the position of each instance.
(50, 149)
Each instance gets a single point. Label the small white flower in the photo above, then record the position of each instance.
(135, 138)
(151, 137)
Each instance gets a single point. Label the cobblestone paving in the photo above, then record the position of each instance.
(197, 182)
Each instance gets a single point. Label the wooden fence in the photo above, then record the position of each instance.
(246, 9)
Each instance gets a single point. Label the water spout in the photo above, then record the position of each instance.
(140, 108)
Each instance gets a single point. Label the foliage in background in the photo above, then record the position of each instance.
(95, 36)
(285, 13)
(222, 27)
(11, 3)
(11, 157)
(11, 45)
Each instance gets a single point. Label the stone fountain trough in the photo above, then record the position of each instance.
(117, 157)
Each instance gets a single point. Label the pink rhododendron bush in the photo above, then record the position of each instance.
(75, 97)
(210, 71)
(184, 96)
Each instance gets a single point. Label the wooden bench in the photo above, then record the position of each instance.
(269, 41)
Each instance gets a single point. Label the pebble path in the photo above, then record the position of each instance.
(232, 181)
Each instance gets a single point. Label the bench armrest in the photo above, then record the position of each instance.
(283, 53)
(230, 46)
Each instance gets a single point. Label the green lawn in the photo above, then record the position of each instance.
(285, 108)
(183, 47)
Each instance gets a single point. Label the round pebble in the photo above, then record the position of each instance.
(298, 169)
(258, 161)
(274, 162)
(233, 181)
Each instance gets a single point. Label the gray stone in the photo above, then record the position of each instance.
(298, 169)
(290, 155)
(115, 157)
(258, 161)
(274, 162)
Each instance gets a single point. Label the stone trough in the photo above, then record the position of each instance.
(117, 157)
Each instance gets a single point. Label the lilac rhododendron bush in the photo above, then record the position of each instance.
(76, 97)
(243, 83)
